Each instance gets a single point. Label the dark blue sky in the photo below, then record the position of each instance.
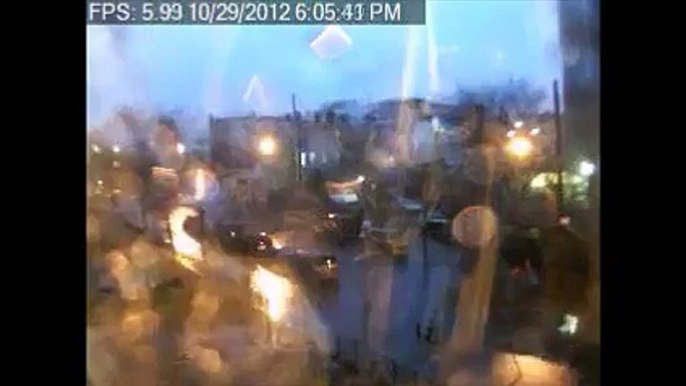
(208, 68)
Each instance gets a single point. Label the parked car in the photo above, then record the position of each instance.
(340, 226)
(245, 240)
(437, 226)
(326, 267)
(344, 211)
(318, 269)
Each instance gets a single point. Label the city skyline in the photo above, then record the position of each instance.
(233, 70)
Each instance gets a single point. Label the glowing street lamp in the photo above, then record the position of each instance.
(518, 124)
(586, 168)
(116, 149)
(535, 131)
(519, 147)
(267, 146)
(180, 148)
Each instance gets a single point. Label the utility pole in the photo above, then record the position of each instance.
(298, 141)
(559, 185)
(477, 278)
(425, 249)
(432, 199)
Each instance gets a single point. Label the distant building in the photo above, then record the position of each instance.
(235, 141)
(322, 146)
(350, 110)
(380, 147)
(420, 109)
(193, 129)
(230, 142)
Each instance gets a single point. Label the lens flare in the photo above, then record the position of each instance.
(188, 250)
(520, 147)
(200, 185)
(255, 95)
(432, 53)
(274, 289)
(332, 43)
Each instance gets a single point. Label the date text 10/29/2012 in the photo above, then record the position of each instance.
(256, 12)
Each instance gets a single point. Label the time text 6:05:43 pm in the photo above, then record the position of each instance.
(256, 12)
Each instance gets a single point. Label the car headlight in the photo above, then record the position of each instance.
(570, 325)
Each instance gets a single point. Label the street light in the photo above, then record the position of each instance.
(116, 149)
(570, 325)
(520, 147)
(586, 168)
(180, 148)
(518, 124)
(267, 146)
(535, 131)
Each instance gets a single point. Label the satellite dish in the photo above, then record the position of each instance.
(475, 226)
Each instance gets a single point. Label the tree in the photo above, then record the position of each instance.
(516, 97)
(350, 107)
(331, 117)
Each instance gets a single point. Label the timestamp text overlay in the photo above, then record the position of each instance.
(256, 12)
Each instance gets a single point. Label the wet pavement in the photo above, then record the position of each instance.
(374, 314)
(381, 301)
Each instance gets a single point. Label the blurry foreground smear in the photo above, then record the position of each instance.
(188, 250)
